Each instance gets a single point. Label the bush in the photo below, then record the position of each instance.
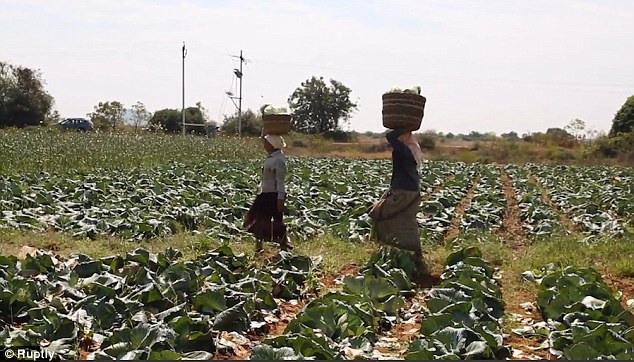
(251, 124)
(466, 157)
(426, 141)
(561, 154)
(376, 148)
(298, 143)
(340, 136)
(614, 146)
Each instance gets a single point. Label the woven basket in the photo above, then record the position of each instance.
(276, 124)
(403, 110)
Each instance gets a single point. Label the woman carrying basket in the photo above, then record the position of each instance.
(264, 219)
(395, 213)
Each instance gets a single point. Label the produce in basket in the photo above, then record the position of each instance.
(275, 120)
(268, 109)
(403, 109)
(413, 90)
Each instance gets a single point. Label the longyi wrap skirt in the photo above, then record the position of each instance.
(264, 220)
(395, 221)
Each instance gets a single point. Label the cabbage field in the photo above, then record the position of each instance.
(325, 196)
(222, 304)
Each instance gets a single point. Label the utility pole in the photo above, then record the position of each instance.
(183, 109)
(238, 73)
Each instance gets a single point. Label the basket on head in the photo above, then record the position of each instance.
(276, 124)
(403, 110)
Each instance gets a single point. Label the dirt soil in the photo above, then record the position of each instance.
(454, 228)
(563, 217)
(512, 226)
(623, 285)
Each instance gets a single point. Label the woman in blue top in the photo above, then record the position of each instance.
(395, 213)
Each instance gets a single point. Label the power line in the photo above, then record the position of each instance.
(239, 74)
(442, 78)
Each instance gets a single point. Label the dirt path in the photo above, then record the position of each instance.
(563, 217)
(404, 332)
(454, 228)
(512, 230)
(515, 294)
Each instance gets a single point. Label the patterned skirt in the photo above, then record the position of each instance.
(394, 216)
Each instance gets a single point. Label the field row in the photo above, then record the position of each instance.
(159, 306)
(325, 196)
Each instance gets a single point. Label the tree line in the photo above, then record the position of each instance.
(318, 107)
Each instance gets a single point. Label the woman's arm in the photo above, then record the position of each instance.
(280, 178)
(392, 136)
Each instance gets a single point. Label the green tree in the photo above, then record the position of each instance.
(624, 119)
(140, 115)
(205, 115)
(319, 107)
(107, 115)
(169, 120)
(23, 99)
(251, 124)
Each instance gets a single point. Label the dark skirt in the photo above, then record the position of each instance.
(264, 220)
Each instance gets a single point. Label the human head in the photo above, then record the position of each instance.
(273, 142)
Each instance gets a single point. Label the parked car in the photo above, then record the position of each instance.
(80, 124)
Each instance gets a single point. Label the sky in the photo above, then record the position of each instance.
(486, 66)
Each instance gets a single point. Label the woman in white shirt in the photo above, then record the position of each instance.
(264, 218)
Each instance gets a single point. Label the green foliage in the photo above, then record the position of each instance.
(332, 326)
(63, 153)
(170, 120)
(319, 107)
(510, 136)
(23, 99)
(412, 90)
(615, 146)
(268, 109)
(140, 305)
(107, 115)
(264, 352)
(553, 136)
(251, 124)
(584, 318)
(340, 136)
(140, 115)
(540, 220)
(464, 313)
(194, 185)
(590, 196)
(624, 119)
(426, 141)
(167, 120)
